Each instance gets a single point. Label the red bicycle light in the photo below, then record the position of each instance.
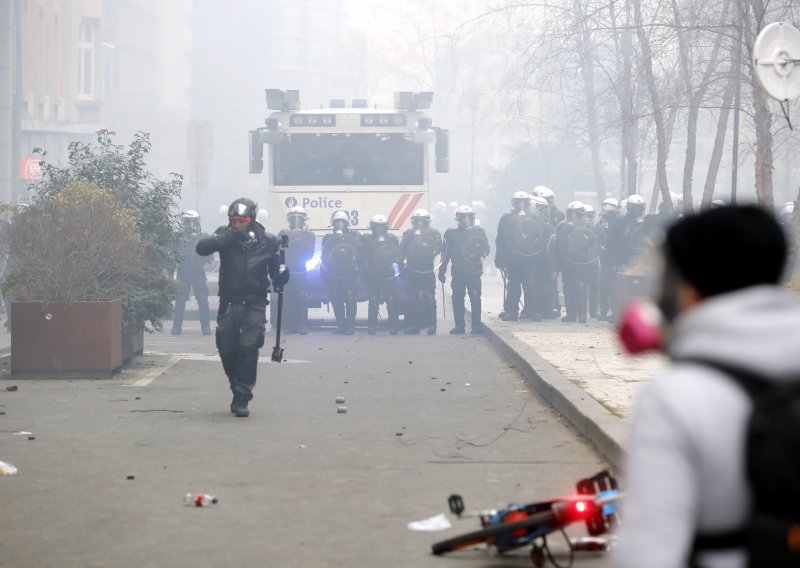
(581, 507)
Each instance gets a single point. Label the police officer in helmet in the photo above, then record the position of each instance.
(379, 270)
(521, 236)
(299, 252)
(249, 264)
(466, 247)
(341, 250)
(420, 246)
(191, 276)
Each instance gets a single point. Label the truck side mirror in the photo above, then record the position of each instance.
(256, 152)
(442, 151)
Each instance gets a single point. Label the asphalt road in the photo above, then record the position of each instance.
(298, 483)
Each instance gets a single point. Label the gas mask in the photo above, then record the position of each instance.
(644, 324)
(339, 226)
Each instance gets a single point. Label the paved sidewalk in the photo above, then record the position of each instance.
(580, 369)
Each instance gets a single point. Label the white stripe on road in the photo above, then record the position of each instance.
(155, 373)
(175, 358)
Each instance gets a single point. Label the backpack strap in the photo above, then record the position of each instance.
(753, 384)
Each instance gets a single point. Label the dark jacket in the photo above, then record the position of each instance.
(420, 248)
(192, 265)
(246, 266)
(379, 256)
(466, 247)
(300, 250)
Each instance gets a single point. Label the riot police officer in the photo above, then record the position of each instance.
(466, 247)
(420, 246)
(522, 236)
(191, 276)
(627, 237)
(578, 246)
(379, 270)
(609, 212)
(341, 250)
(556, 216)
(249, 263)
(298, 253)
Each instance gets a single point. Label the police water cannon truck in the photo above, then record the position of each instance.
(359, 159)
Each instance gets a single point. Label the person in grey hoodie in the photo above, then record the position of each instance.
(685, 465)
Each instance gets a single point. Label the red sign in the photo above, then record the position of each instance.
(31, 168)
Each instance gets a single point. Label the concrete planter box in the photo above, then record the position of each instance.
(132, 345)
(66, 339)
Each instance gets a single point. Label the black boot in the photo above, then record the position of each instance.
(239, 406)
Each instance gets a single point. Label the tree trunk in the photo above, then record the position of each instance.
(585, 52)
(695, 99)
(719, 146)
(762, 117)
(630, 134)
(658, 118)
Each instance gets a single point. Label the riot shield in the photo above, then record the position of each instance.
(526, 233)
(583, 246)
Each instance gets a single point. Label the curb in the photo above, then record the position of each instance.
(590, 418)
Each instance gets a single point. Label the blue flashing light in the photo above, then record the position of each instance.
(314, 262)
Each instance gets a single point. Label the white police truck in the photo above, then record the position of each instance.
(359, 159)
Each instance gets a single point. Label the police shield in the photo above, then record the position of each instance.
(582, 246)
(423, 251)
(526, 234)
(474, 248)
(384, 257)
(339, 255)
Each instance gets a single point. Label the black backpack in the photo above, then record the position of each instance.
(772, 460)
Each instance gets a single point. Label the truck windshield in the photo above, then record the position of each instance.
(347, 159)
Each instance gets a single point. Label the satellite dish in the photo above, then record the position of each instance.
(776, 61)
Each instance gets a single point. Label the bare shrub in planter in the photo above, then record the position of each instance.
(81, 245)
(148, 289)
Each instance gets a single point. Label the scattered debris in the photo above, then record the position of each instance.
(467, 384)
(158, 410)
(7, 469)
(339, 400)
(301, 446)
(442, 390)
(341, 409)
(131, 477)
(31, 437)
(12, 388)
(199, 499)
(398, 433)
(438, 523)
(23, 433)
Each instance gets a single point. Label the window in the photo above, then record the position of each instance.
(86, 57)
(356, 159)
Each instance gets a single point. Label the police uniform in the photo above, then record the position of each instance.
(339, 269)
(466, 247)
(295, 301)
(419, 248)
(578, 247)
(191, 276)
(521, 248)
(379, 267)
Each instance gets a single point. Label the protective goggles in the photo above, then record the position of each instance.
(239, 218)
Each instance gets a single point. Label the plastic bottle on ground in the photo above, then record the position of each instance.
(198, 499)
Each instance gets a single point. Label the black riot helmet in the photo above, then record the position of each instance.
(243, 208)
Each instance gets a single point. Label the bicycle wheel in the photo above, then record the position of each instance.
(538, 525)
